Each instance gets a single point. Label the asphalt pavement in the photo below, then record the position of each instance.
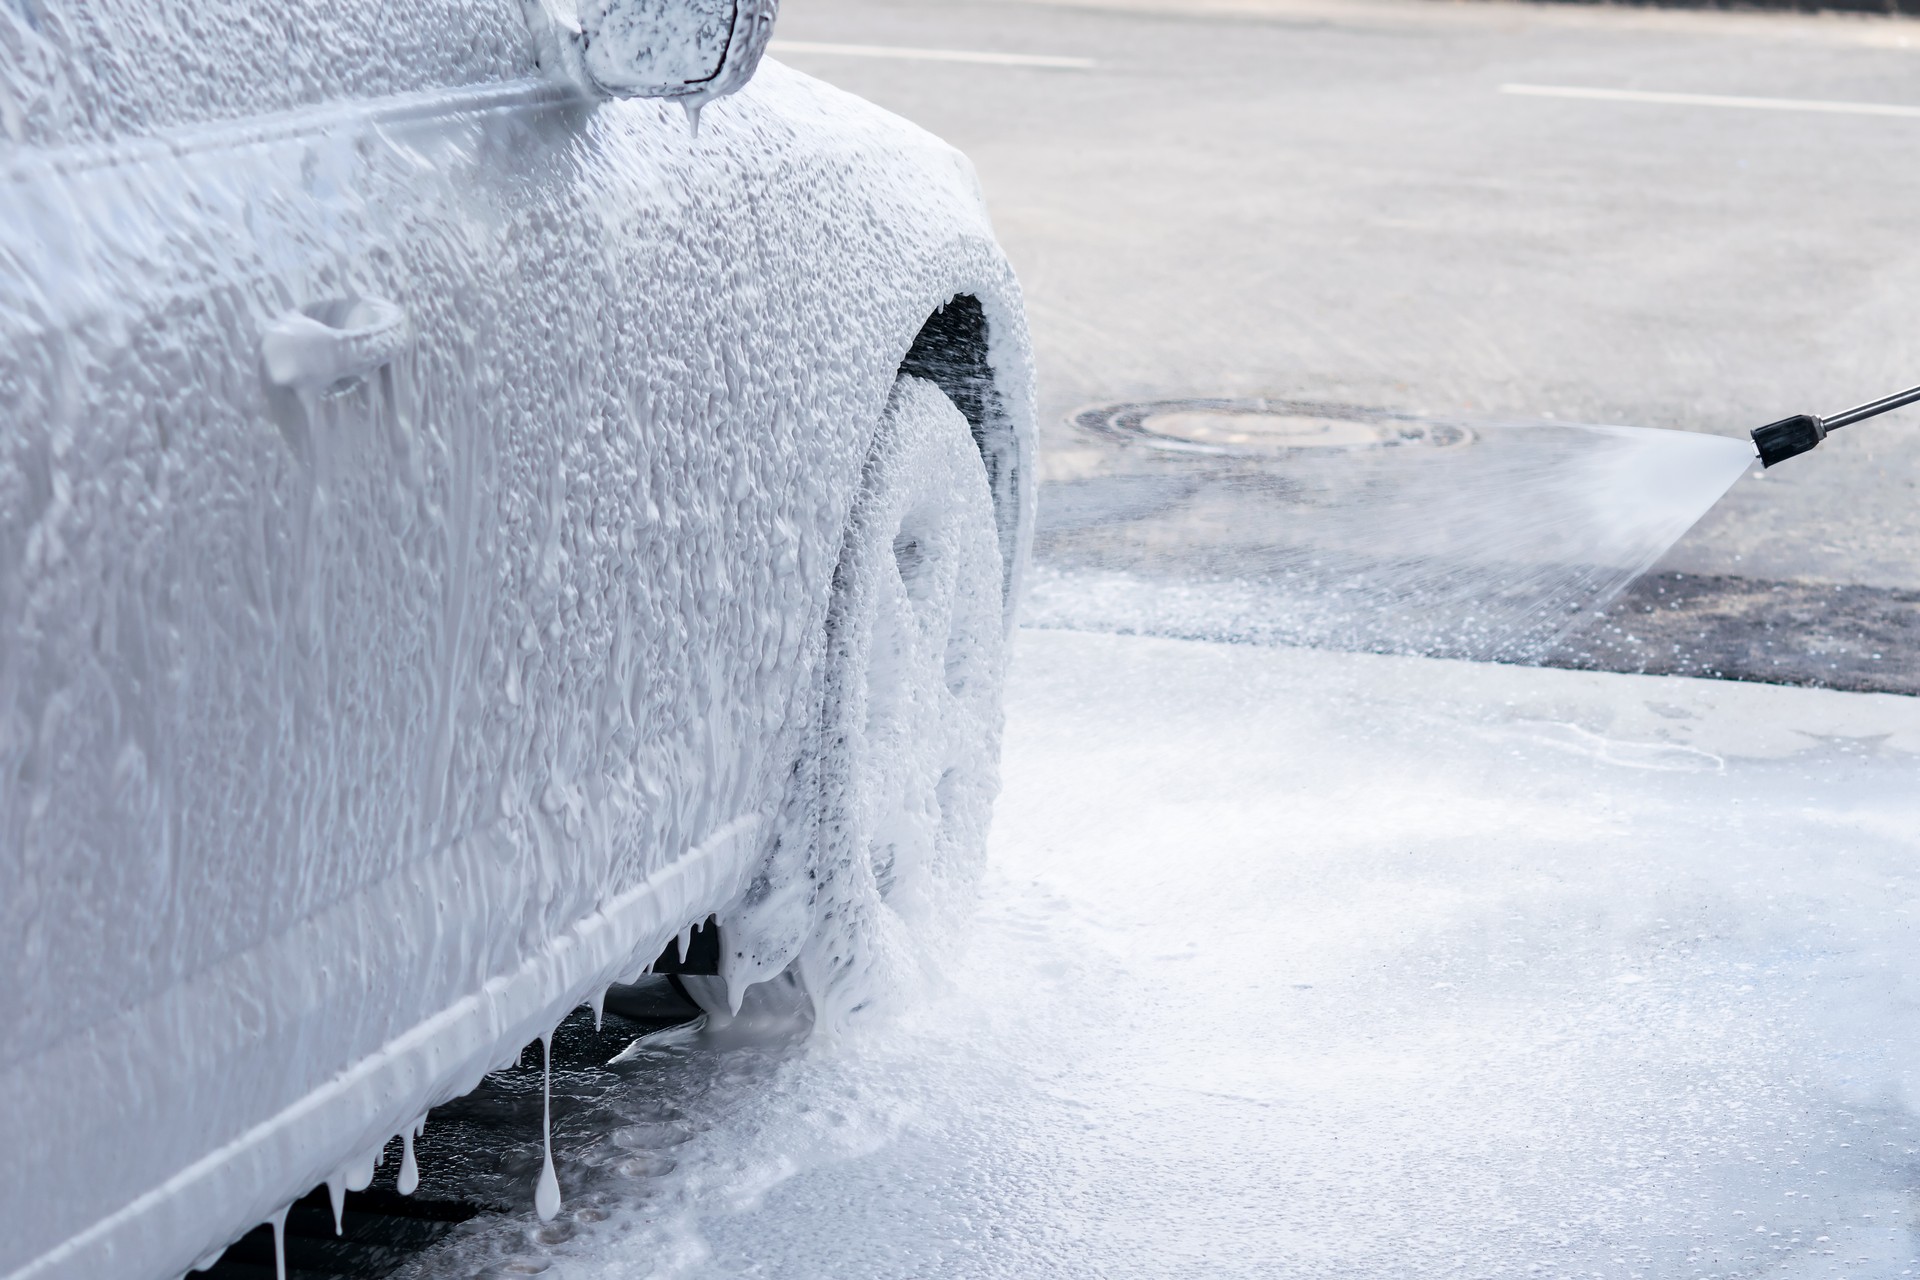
(1472, 211)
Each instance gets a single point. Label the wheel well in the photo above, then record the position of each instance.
(952, 352)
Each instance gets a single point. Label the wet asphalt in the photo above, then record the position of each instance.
(1335, 201)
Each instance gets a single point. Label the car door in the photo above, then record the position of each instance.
(235, 610)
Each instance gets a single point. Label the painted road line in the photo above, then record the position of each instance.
(1714, 100)
(932, 55)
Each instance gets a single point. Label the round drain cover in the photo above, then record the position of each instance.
(1265, 427)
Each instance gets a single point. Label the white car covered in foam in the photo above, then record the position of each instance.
(460, 527)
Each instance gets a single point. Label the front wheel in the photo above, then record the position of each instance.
(911, 718)
(892, 799)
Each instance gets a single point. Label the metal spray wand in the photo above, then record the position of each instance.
(1793, 436)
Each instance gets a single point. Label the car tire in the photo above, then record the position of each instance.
(906, 748)
(911, 717)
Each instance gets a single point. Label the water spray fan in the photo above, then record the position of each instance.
(1791, 437)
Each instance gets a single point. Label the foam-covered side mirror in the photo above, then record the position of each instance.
(691, 51)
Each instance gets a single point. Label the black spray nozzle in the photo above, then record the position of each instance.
(1791, 437)
(1788, 438)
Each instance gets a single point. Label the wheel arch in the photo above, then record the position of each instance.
(973, 355)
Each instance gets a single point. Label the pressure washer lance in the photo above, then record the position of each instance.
(1791, 437)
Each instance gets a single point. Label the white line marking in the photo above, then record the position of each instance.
(932, 55)
(1714, 100)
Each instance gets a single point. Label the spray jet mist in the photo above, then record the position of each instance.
(1791, 437)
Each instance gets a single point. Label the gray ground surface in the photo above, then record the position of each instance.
(1334, 202)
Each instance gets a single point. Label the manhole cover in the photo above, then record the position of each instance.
(1265, 427)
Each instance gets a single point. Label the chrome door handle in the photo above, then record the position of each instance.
(318, 347)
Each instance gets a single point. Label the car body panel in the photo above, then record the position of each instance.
(74, 72)
(353, 735)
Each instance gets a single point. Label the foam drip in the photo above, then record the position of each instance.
(546, 1196)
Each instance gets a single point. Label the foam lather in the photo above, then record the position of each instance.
(374, 692)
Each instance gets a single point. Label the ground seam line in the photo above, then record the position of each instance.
(1713, 100)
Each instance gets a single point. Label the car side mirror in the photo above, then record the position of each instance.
(691, 51)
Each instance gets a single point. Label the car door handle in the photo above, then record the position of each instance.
(321, 346)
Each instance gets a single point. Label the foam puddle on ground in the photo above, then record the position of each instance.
(1299, 963)
(1488, 541)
